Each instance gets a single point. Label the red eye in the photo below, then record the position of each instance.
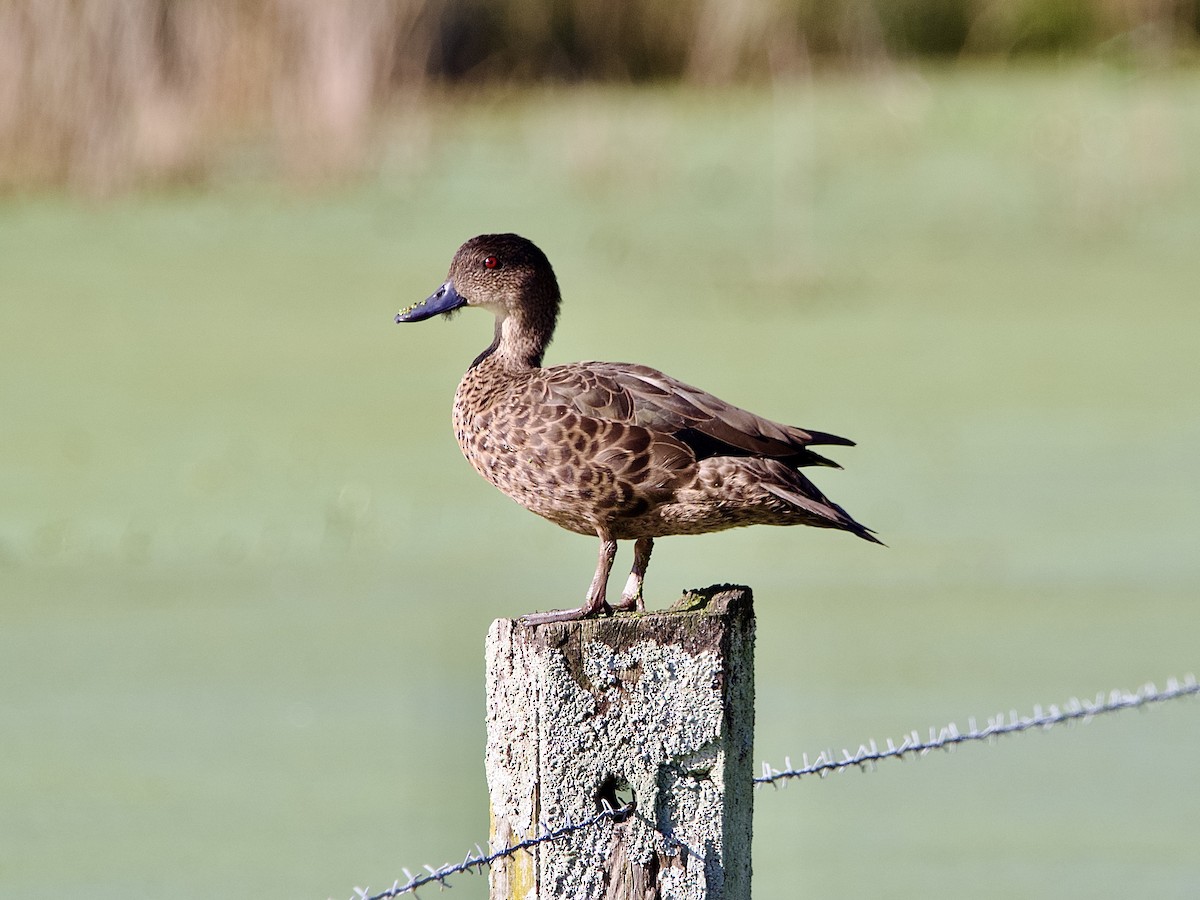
(491, 262)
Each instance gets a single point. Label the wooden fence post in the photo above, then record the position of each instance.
(657, 707)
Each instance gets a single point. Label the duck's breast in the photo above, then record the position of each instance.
(576, 470)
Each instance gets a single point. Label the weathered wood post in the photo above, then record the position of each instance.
(654, 706)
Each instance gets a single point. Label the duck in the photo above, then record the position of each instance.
(619, 451)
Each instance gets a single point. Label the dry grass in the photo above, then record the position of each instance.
(100, 95)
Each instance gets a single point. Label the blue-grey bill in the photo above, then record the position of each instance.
(445, 299)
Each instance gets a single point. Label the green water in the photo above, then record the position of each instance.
(245, 575)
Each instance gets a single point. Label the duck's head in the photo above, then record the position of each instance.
(510, 276)
(504, 273)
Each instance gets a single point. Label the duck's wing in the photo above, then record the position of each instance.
(639, 395)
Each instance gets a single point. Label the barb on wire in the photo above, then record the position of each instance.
(949, 737)
(479, 859)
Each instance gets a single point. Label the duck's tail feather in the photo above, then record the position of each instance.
(808, 457)
(824, 437)
(825, 512)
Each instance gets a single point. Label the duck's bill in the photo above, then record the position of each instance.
(445, 299)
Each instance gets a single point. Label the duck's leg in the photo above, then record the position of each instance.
(594, 603)
(631, 597)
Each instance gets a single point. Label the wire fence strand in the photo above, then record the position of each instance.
(826, 763)
(479, 860)
(949, 737)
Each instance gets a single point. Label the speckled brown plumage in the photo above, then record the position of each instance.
(616, 450)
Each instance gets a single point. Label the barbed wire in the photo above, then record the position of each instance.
(826, 763)
(545, 834)
(949, 737)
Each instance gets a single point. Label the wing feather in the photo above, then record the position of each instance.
(639, 395)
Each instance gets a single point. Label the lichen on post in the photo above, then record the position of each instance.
(653, 707)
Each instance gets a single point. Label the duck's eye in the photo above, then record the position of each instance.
(491, 262)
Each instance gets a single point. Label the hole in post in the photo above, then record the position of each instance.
(615, 793)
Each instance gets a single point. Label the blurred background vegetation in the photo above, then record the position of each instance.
(103, 94)
(245, 574)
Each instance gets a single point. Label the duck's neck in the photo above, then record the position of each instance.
(522, 337)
